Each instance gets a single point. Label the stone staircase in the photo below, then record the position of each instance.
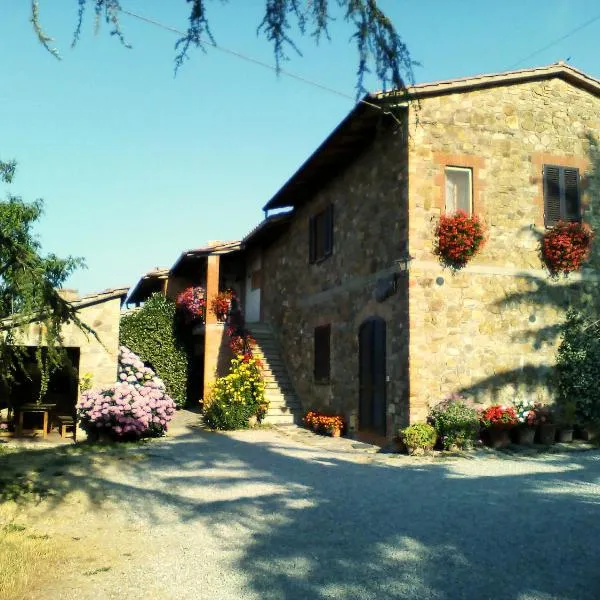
(284, 406)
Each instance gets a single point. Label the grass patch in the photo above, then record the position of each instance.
(25, 559)
(96, 571)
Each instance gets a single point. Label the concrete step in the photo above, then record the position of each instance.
(280, 419)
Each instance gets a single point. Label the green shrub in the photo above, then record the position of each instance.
(151, 333)
(578, 367)
(419, 438)
(456, 423)
(236, 397)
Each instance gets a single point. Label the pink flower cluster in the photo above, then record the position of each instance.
(136, 406)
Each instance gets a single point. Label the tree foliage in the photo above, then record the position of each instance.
(151, 332)
(28, 285)
(379, 45)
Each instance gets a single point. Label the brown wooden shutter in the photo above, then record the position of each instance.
(552, 193)
(311, 240)
(329, 230)
(572, 206)
(322, 352)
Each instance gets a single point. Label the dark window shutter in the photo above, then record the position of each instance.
(551, 195)
(311, 240)
(322, 352)
(572, 207)
(329, 230)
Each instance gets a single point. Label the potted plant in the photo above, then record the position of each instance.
(565, 247)
(565, 420)
(527, 422)
(546, 425)
(221, 304)
(419, 438)
(191, 304)
(458, 237)
(498, 420)
(456, 423)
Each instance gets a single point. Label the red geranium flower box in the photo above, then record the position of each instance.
(565, 247)
(458, 238)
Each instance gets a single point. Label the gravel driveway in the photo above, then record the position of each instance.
(259, 515)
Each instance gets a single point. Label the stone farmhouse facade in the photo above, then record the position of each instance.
(368, 323)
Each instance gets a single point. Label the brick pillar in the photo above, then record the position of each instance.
(214, 331)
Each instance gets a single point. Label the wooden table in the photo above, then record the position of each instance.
(44, 409)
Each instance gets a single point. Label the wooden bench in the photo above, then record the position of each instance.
(65, 423)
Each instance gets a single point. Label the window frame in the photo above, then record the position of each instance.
(562, 195)
(320, 235)
(322, 354)
(463, 169)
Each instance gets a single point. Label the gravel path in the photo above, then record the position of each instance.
(261, 515)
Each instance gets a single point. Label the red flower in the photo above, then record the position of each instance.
(192, 303)
(458, 238)
(565, 247)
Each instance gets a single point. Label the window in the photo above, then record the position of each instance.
(561, 195)
(459, 190)
(320, 240)
(322, 353)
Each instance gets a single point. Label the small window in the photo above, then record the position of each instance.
(322, 353)
(459, 190)
(561, 195)
(321, 235)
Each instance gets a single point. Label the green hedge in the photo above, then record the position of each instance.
(151, 332)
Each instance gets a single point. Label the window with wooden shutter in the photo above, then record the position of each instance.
(320, 238)
(562, 200)
(322, 353)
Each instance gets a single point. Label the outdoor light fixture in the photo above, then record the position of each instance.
(403, 263)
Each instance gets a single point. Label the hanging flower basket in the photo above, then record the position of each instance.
(458, 238)
(565, 247)
(221, 304)
(191, 303)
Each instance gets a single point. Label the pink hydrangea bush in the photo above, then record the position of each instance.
(134, 407)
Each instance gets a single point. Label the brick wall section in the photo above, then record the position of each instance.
(488, 330)
(369, 201)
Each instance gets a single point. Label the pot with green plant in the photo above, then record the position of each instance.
(546, 426)
(419, 438)
(565, 421)
(524, 432)
(456, 422)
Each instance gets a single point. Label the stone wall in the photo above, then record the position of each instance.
(369, 201)
(489, 331)
(97, 356)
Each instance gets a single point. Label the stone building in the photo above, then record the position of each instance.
(369, 323)
(340, 281)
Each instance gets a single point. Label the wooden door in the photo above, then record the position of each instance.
(372, 376)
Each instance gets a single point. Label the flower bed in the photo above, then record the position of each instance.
(458, 238)
(565, 247)
(134, 407)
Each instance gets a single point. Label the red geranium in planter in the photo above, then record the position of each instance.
(565, 247)
(498, 417)
(192, 304)
(458, 238)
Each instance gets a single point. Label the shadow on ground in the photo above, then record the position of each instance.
(324, 525)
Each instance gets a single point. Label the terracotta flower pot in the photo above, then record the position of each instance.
(565, 436)
(546, 433)
(525, 436)
(498, 437)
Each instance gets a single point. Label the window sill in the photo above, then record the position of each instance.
(322, 381)
(318, 261)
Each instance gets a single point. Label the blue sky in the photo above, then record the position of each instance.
(136, 165)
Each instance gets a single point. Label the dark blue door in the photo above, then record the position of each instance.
(372, 376)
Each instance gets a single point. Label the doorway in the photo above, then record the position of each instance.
(372, 376)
